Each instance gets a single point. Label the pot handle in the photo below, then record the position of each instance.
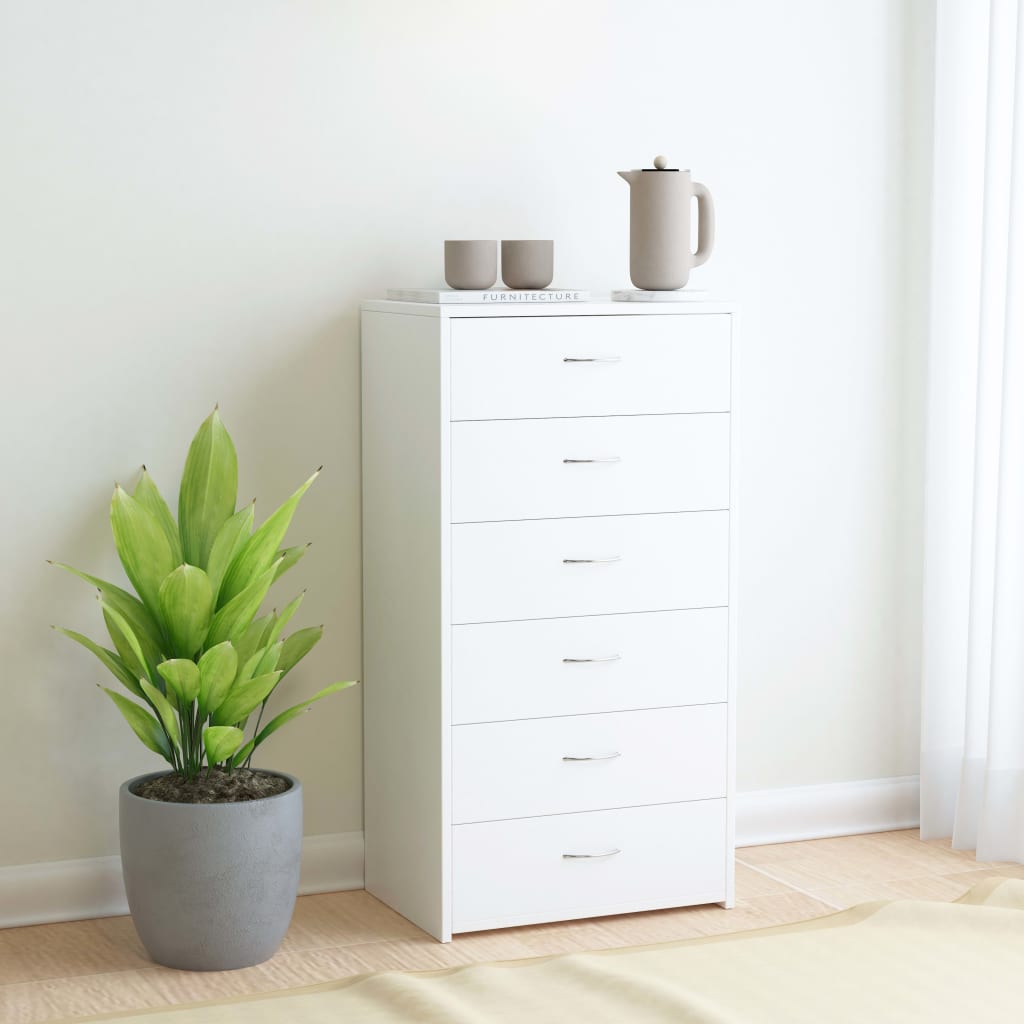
(705, 224)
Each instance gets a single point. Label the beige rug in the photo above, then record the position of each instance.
(897, 961)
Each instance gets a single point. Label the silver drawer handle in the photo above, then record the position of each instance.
(580, 462)
(591, 561)
(595, 757)
(592, 359)
(589, 856)
(587, 661)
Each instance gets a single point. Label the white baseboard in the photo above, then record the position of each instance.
(70, 890)
(331, 863)
(817, 812)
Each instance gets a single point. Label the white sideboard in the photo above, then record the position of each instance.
(549, 622)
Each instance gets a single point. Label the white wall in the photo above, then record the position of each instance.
(195, 196)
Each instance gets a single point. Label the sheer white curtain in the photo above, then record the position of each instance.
(972, 737)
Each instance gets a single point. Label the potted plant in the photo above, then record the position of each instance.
(209, 848)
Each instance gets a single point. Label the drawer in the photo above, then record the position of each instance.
(546, 667)
(589, 466)
(587, 762)
(589, 566)
(517, 872)
(523, 367)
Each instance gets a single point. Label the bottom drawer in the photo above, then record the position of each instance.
(566, 866)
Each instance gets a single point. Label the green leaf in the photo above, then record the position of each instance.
(126, 642)
(163, 708)
(141, 545)
(228, 542)
(147, 495)
(209, 489)
(262, 661)
(297, 646)
(113, 663)
(143, 724)
(183, 679)
(280, 621)
(289, 557)
(260, 550)
(217, 668)
(268, 661)
(245, 698)
(186, 604)
(231, 622)
(221, 741)
(248, 670)
(252, 639)
(124, 650)
(286, 716)
(135, 613)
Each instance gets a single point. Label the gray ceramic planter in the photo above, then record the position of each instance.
(211, 887)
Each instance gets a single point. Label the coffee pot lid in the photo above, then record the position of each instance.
(659, 165)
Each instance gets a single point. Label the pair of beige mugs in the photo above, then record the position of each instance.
(525, 263)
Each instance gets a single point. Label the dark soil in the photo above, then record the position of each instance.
(213, 787)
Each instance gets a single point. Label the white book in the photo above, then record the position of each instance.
(492, 295)
(638, 295)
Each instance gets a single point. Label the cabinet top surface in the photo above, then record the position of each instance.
(594, 307)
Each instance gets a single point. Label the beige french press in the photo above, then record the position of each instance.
(659, 226)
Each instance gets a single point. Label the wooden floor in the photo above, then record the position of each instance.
(89, 967)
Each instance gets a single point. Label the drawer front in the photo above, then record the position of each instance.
(522, 367)
(515, 872)
(589, 566)
(589, 466)
(577, 666)
(587, 762)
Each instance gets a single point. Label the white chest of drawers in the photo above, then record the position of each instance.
(549, 622)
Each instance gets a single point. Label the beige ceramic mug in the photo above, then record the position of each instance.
(471, 263)
(528, 263)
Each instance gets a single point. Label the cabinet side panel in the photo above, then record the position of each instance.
(405, 616)
(734, 592)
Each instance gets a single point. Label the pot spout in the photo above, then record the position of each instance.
(629, 176)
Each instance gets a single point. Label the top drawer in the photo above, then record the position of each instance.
(589, 365)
